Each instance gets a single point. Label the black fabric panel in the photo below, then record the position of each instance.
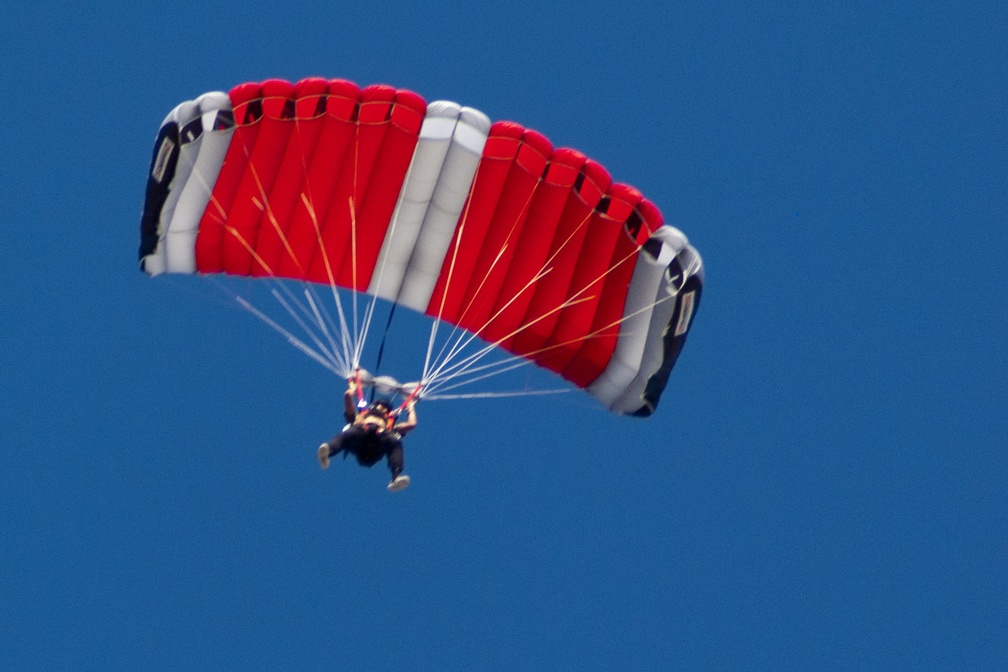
(159, 178)
(673, 345)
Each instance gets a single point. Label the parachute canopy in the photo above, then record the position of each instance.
(486, 226)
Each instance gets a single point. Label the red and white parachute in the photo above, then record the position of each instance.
(485, 226)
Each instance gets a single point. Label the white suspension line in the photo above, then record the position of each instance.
(293, 340)
(495, 395)
(501, 367)
(322, 323)
(308, 330)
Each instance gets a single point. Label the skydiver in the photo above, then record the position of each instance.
(371, 433)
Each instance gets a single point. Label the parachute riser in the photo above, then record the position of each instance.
(412, 391)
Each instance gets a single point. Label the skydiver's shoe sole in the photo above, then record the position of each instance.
(323, 456)
(398, 483)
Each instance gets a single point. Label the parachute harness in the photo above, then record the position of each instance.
(412, 398)
(362, 402)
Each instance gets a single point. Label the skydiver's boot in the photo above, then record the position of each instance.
(323, 455)
(399, 482)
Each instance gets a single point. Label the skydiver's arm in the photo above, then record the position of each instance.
(350, 401)
(411, 420)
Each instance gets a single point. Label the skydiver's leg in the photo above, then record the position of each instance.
(394, 453)
(344, 441)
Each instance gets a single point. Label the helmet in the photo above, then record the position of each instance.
(379, 406)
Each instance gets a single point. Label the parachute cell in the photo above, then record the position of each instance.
(483, 225)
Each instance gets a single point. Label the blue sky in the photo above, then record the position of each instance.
(823, 486)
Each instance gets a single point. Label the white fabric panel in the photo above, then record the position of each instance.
(654, 352)
(414, 198)
(446, 204)
(182, 210)
(180, 239)
(156, 262)
(637, 325)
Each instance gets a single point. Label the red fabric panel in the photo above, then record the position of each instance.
(284, 197)
(505, 230)
(594, 262)
(374, 212)
(260, 172)
(301, 153)
(653, 220)
(531, 253)
(245, 101)
(503, 142)
(347, 196)
(595, 352)
(541, 316)
(323, 172)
